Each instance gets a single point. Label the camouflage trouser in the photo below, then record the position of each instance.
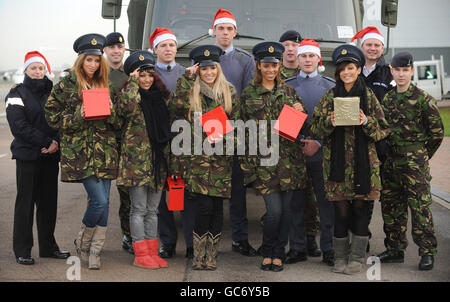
(124, 210)
(406, 182)
(312, 212)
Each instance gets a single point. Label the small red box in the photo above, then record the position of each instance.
(175, 194)
(96, 104)
(216, 124)
(289, 123)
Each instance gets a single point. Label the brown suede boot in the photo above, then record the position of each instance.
(98, 240)
(83, 242)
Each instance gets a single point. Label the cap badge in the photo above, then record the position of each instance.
(94, 42)
(344, 52)
(120, 39)
(141, 58)
(207, 53)
(271, 49)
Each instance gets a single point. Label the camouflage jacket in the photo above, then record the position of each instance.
(135, 164)
(376, 129)
(203, 174)
(88, 148)
(287, 73)
(289, 173)
(415, 120)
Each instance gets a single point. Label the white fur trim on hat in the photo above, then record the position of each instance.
(309, 48)
(372, 36)
(224, 20)
(164, 37)
(34, 60)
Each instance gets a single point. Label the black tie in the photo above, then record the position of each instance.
(307, 76)
(169, 68)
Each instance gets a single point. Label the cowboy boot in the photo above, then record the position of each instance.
(152, 245)
(212, 249)
(83, 242)
(98, 240)
(357, 254)
(198, 262)
(142, 255)
(341, 251)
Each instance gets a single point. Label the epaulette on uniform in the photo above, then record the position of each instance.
(290, 79)
(240, 50)
(329, 79)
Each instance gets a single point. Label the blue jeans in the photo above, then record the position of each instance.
(97, 211)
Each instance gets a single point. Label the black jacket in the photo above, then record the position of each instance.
(25, 113)
(380, 79)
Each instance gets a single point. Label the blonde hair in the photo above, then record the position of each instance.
(99, 79)
(221, 91)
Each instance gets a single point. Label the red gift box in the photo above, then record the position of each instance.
(96, 103)
(289, 122)
(216, 124)
(175, 194)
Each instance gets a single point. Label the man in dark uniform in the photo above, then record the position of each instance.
(115, 50)
(416, 134)
(311, 86)
(238, 67)
(163, 43)
(378, 77)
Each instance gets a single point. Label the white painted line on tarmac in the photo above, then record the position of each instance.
(3, 155)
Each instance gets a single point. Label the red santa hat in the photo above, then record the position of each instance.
(309, 45)
(36, 57)
(159, 35)
(223, 16)
(370, 32)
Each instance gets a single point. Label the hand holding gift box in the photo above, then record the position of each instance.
(216, 124)
(289, 123)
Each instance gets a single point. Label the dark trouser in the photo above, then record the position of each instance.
(297, 232)
(124, 210)
(351, 215)
(209, 215)
(166, 223)
(37, 182)
(238, 204)
(276, 225)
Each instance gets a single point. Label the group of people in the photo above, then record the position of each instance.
(337, 171)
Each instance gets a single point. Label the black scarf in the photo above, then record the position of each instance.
(156, 117)
(39, 87)
(362, 165)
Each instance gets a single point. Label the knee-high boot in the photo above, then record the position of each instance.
(83, 242)
(212, 249)
(98, 240)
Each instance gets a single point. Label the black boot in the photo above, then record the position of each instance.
(426, 263)
(391, 256)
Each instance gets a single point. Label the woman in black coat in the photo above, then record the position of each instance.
(35, 148)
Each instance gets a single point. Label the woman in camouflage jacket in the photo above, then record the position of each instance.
(351, 168)
(263, 101)
(207, 177)
(88, 148)
(144, 150)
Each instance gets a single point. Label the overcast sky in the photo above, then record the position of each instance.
(51, 27)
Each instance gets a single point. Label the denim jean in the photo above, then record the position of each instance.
(97, 211)
(143, 213)
(276, 225)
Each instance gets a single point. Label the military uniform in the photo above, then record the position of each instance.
(417, 132)
(287, 73)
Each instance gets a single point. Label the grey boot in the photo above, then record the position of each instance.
(341, 252)
(357, 254)
(83, 242)
(212, 249)
(198, 262)
(98, 240)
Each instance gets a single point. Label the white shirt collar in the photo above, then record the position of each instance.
(229, 49)
(367, 72)
(311, 75)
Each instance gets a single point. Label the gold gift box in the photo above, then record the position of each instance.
(346, 111)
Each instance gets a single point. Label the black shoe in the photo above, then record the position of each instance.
(266, 267)
(127, 244)
(167, 250)
(392, 256)
(56, 254)
(426, 263)
(294, 256)
(328, 258)
(311, 246)
(277, 268)
(190, 253)
(244, 248)
(368, 247)
(28, 260)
